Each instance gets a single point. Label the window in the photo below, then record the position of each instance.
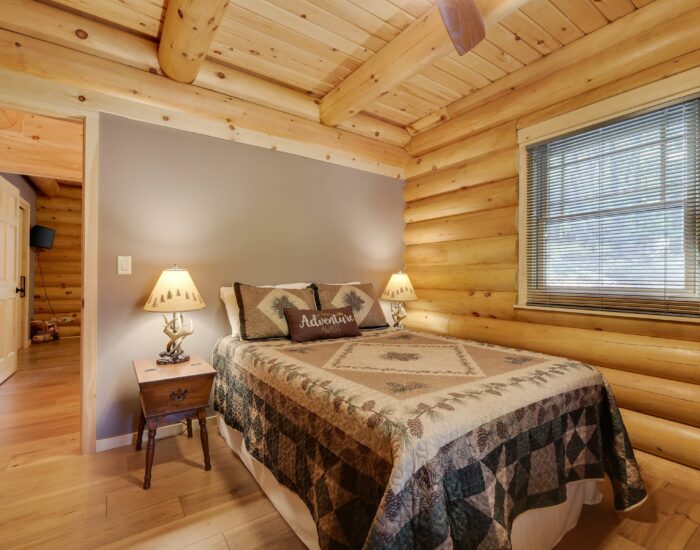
(613, 216)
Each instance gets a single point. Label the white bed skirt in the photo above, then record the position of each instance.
(539, 529)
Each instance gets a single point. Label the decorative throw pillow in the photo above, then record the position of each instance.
(261, 309)
(360, 297)
(307, 325)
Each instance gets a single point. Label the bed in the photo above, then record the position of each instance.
(399, 439)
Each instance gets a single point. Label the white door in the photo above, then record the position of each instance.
(9, 278)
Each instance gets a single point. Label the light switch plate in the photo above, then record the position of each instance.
(123, 265)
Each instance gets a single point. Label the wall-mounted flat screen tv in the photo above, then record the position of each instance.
(41, 237)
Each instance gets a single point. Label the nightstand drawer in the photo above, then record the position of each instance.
(181, 394)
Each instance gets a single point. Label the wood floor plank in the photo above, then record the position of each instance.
(217, 542)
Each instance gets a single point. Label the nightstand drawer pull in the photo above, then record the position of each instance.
(178, 395)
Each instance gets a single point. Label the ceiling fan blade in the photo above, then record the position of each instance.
(463, 23)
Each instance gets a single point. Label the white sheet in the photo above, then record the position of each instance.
(539, 529)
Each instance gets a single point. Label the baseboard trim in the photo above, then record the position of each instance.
(130, 439)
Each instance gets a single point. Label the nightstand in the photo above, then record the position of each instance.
(171, 393)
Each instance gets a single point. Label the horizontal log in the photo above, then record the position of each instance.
(65, 241)
(57, 292)
(67, 229)
(671, 440)
(68, 331)
(59, 203)
(593, 46)
(493, 277)
(660, 468)
(501, 137)
(487, 223)
(59, 306)
(661, 43)
(51, 267)
(491, 167)
(429, 321)
(653, 74)
(57, 279)
(49, 216)
(629, 325)
(494, 250)
(660, 357)
(486, 197)
(107, 42)
(495, 305)
(126, 91)
(669, 399)
(63, 255)
(374, 128)
(71, 192)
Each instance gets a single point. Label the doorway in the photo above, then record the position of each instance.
(41, 169)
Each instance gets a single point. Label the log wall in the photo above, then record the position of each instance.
(60, 266)
(461, 241)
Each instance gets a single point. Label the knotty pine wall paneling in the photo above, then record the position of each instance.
(461, 252)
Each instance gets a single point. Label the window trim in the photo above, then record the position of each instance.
(675, 89)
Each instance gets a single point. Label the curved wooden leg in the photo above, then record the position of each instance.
(150, 451)
(202, 415)
(189, 427)
(139, 435)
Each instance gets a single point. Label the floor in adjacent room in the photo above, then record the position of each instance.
(40, 403)
(54, 498)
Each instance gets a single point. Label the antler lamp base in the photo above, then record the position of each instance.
(177, 329)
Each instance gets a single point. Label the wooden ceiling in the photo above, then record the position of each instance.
(313, 45)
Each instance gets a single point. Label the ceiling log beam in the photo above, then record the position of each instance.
(62, 80)
(188, 31)
(85, 35)
(47, 186)
(418, 46)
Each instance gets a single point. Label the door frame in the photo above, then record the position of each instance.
(25, 267)
(42, 101)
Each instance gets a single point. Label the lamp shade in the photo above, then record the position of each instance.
(174, 292)
(399, 289)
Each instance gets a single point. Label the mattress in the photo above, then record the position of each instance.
(400, 439)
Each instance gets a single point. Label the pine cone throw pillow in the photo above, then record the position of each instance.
(361, 298)
(262, 309)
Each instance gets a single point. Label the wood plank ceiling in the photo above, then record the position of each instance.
(313, 45)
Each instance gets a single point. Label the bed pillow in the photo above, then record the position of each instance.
(310, 324)
(261, 309)
(228, 297)
(360, 297)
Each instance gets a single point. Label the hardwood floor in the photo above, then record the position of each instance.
(40, 403)
(54, 498)
(668, 520)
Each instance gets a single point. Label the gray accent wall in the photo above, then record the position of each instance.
(27, 192)
(227, 212)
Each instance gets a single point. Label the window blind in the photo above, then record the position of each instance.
(613, 216)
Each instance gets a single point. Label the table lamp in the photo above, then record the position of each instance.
(398, 291)
(174, 293)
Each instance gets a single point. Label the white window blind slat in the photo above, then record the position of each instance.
(613, 216)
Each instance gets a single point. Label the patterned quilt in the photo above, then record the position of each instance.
(399, 439)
